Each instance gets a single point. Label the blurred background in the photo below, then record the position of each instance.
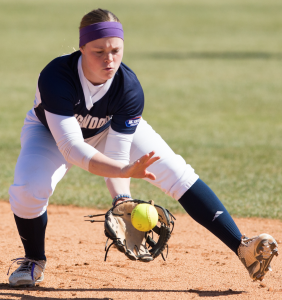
(211, 72)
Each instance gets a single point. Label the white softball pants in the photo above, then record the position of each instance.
(41, 166)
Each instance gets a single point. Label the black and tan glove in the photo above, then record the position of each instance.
(135, 244)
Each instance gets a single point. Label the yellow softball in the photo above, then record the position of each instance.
(144, 217)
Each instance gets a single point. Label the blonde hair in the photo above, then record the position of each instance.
(97, 16)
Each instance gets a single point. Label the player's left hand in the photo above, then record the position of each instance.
(135, 244)
(138, 168)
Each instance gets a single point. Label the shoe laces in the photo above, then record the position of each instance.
(27, 264)
(245, 240)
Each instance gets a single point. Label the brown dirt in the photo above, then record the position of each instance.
(198, 265)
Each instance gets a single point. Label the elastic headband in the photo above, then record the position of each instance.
(100, 30)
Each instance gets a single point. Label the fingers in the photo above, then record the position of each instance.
(150, 175)
(146, 157)
(152, 160)
(151, 154)
(138, 168)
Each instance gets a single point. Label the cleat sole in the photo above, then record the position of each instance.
(265, 263)
(22, 283)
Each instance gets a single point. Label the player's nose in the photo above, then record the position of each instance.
(109, 57)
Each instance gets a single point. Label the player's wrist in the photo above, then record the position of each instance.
(120, 198)
(124, 171)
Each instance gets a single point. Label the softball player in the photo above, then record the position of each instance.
(88, 112)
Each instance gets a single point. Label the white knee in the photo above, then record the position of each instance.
(35, 180)
(183, 183)
(28, 202)
(174, 176)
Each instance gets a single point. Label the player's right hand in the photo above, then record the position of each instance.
(138, 169)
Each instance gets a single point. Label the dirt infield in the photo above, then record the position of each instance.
(198, 265)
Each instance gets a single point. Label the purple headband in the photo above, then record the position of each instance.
(100, 30)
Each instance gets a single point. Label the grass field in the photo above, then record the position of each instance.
(211, 73)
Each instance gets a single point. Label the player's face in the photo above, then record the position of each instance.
(101, 59)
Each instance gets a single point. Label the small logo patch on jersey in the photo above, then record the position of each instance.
(133, 122)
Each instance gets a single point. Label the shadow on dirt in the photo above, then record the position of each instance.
(27, 297)
(23, 296)
(215, 293)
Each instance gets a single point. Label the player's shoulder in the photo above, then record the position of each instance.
(127, 78)
(61, 67)
(125, 69)
(127, 73)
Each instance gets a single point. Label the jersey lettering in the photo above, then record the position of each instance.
(91, 122)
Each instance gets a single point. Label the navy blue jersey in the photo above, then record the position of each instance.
(61, 93)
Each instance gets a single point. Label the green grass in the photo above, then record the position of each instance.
(211, 72)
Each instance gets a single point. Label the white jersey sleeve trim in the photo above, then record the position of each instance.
(69, 139)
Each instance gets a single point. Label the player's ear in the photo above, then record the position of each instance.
(81, 49)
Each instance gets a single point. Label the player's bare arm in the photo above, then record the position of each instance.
(103, 166)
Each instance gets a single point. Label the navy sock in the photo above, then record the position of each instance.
(32, 233)
(201, 203)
